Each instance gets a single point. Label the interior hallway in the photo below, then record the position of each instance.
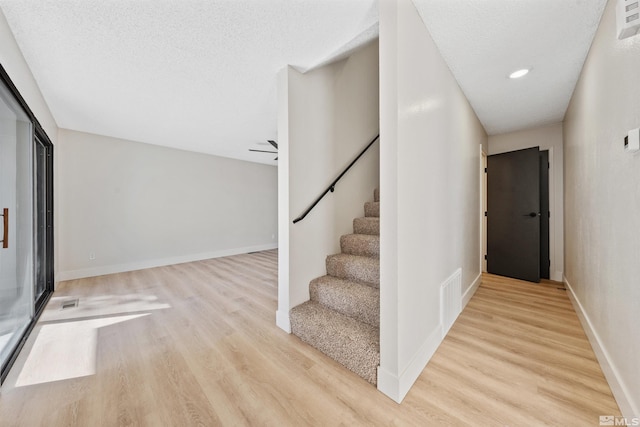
(197, 344)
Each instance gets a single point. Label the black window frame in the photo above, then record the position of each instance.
(39, 137)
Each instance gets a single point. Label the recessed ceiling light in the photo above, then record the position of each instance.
(519, 73)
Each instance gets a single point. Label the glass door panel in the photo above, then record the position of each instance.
(40, 219)
(16, 225)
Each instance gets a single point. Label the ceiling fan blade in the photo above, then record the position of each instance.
(263, 151)
(272, 142)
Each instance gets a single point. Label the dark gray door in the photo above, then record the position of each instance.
(513, 214)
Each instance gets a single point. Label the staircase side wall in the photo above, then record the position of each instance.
(429, 179)
(326, 116)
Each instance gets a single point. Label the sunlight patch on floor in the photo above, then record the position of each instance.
(66, 350)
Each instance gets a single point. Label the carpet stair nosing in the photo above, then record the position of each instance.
(353, 299)
(367, 225)
(360, 244)
(354, 267)
(353, 344)
(372, 209)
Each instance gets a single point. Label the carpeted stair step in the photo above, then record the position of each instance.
(362, 302)
(353, 267)
(376, 195)
(360, 244)
(367, 225)
(354, 344)
(372, 209)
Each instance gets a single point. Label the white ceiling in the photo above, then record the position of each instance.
(483, 41)
(200, 75)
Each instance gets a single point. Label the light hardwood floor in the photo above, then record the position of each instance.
(196, 344)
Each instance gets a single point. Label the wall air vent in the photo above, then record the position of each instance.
(628, 18)
(450, 300)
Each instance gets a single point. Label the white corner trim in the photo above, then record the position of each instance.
(557, 276)
(283, 321)
(468, 294)
(397, 387)
(140, 265)
(388, 384)
(620, 392)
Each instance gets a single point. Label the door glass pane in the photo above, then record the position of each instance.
(40, 218)
(16, 198)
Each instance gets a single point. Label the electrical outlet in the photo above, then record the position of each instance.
(92, 256)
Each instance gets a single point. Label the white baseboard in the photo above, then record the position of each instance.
(140, 265)
(466, 297)
(620, 392)
(283, 321)
(397, 387)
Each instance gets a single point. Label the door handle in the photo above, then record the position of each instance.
(533, 214)
(5, 228)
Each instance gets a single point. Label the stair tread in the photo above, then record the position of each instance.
(361, 244)
(372, 209)
(362, 269)
(353, 299)
(354, 344)
(342, 318)
(367, 225)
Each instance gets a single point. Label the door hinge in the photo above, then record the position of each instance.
(485, 170)
(549, 214)
(548, 165)
(485, 257)
(549, 263)
(485, 213)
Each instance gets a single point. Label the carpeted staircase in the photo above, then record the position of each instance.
(342, 318)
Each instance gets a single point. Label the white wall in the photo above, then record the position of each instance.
(602, 202)
(136, 205)
(325, 118)
(429, 178)
(547, 138)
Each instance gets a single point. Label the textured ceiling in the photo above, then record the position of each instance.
(483, 41)
(198, 75)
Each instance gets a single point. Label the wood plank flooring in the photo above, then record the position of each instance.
(196, 345)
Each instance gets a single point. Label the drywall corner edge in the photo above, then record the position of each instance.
(282, 312)
(283, 321)
(397, 387)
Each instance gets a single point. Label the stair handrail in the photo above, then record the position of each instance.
(332, 186)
